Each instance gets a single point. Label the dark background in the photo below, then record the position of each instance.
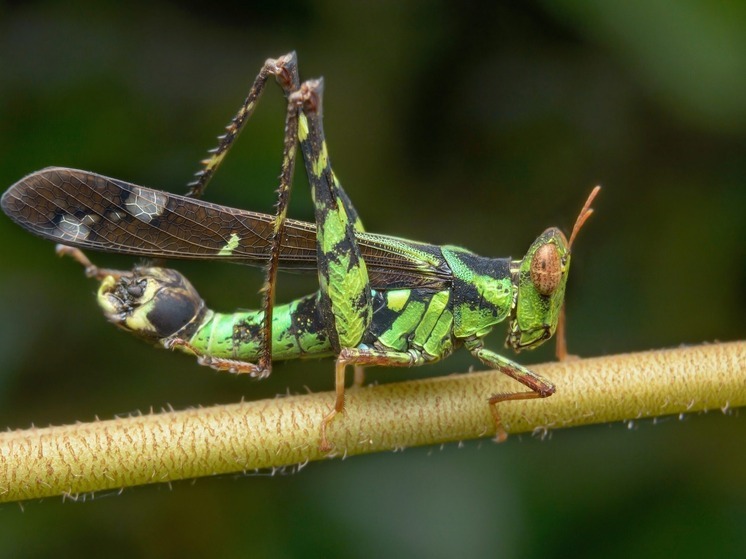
(451, 122)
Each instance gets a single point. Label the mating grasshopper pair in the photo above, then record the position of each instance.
(381, 300)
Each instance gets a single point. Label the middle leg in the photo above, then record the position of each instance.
(360, 357)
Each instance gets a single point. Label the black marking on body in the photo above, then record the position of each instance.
(384, 317)
(245, 332)
(364, 301)
(464, 292)
(307, 320)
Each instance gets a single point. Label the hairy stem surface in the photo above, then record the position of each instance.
(74, 459)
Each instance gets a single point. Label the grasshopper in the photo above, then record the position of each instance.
(381, 300)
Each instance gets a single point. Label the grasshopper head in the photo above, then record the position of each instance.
(150, 302)
(540, 280)
(540, 286)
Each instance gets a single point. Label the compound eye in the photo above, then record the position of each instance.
(546, 269)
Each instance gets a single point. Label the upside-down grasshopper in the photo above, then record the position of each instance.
(381, 300)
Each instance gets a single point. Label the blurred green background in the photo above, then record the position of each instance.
(477, 124)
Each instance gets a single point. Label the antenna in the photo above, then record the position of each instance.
(585, 213)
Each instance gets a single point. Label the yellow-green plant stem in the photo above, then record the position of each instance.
(124, 452)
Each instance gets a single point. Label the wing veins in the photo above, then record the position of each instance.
(82, 192)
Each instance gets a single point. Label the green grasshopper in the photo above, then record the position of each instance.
(381, 300)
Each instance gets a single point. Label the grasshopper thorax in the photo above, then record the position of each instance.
(153, 303)
(539, 280)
